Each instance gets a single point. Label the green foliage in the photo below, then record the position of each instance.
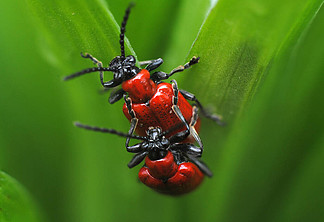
(261, 68)
(272, 160)
(15, 203)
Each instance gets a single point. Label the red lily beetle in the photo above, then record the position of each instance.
(171, 167)
(154, 102)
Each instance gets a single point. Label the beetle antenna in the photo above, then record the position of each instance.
(123, 30)
(85, 71)
(105, 130)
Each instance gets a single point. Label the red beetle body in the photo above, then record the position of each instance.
(150, 101)
(162, 118)
(167, 177)
(171, 167)
(152, 104)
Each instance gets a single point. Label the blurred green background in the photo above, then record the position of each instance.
(262, 69)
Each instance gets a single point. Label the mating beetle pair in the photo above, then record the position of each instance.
(159, 113)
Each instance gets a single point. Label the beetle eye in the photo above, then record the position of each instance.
(130, 60)
(115, 62)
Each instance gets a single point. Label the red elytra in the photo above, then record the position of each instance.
(167, 177)
(152, 104)
(151, 99)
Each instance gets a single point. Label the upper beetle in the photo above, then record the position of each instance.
(171, 167)
(154, 102)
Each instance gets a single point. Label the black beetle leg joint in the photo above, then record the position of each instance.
(85, 55)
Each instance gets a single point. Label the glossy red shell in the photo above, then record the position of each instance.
(166, 177)
(157, 109)
(140, 88)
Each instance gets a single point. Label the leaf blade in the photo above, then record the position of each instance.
(15, 203)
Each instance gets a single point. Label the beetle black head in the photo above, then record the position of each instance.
(123, 67)
(156, 138)
(156, 145)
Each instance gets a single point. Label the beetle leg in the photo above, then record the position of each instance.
(193, 60)
(193, 121)
(134, 120)
(187, 148)
(175, 106)
(158, 76)
(192, 153)
(96, 62)
(178, 112)
(93, 59)
(192, 97)
(151, 64)
(179, 137)
(108, 84)
(137, 159)
(135, 148)
(194, 116)
(116, 95)
(201, 165)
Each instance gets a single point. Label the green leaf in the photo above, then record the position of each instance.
(237, 44)
(185, 28)
(15, 203)
(75, 26)
(244, 48)
(272, 161)
(162, 29)
(149, 25)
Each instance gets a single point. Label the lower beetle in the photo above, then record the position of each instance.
(171, 166)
